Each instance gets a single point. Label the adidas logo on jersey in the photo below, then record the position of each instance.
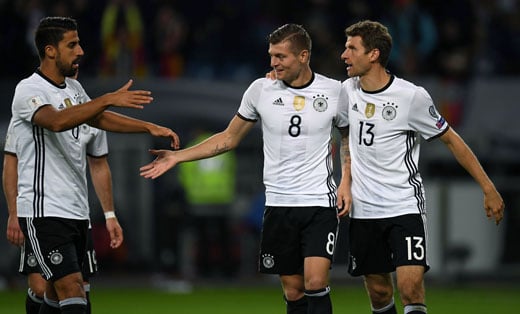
(278, 102)
(354, 108)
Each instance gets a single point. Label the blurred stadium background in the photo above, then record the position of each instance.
(198, 58)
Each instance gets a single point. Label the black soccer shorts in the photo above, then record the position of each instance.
(29, 264)
(58, 244)
(289, 234)
(381, 245)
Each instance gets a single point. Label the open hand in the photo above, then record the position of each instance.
(165, 161)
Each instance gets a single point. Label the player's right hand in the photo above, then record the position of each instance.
(165, 161)
(124, 97)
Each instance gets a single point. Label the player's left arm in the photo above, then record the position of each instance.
(344, 201)
(10, 185)
(493, 202)
(102, 182)
(119, 123)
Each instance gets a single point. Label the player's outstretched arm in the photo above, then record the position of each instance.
(217, 144)
(115, 122)
(493, 202)
(60, 120)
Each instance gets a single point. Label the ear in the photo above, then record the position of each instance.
(374, 55)
(50, 51)
(304, 56)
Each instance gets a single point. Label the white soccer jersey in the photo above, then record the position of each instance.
(10, 139)
(297, 125)
(384, 145)
(52, 165)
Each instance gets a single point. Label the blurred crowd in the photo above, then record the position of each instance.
(226, 39)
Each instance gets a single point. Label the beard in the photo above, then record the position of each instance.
(66, 70)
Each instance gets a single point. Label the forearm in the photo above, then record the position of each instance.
(102, 182)
(10, 182)
(467, 159)
(115, 122)
(212, 146)
(345, 158)
(70, 117)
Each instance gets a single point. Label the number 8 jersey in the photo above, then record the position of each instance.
(297, 126)
(384, 146)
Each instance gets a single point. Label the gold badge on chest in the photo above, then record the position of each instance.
(298, 102)
(370, 109)
(68, 102)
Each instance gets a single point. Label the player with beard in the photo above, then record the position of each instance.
(53, 118)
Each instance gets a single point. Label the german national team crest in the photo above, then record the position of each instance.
(389, 112)
(55, 257)
(320, 103)
(31, 261)
(299, 102)
(267, 260)
(370, 109)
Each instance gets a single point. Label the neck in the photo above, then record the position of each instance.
(303, 78)
(52, 72)
(374, 80)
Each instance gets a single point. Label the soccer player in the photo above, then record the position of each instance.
(102, 181)
(388, 217)
(54, 120)
(298, 112)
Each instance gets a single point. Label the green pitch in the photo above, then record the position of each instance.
(262, 300)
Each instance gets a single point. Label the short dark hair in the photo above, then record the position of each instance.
(50, 32)
(295, 34)
(374, 35)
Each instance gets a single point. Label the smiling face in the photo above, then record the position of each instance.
(287, 64)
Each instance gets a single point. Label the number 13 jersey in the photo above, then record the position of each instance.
(384, 146)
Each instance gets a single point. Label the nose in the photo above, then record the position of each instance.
(274, 61)
(343, 56)
(80, 51)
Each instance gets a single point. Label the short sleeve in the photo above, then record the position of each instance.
(250, 100)
(424, 117)
(342, 109)
(27, 100)
(98, 146)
